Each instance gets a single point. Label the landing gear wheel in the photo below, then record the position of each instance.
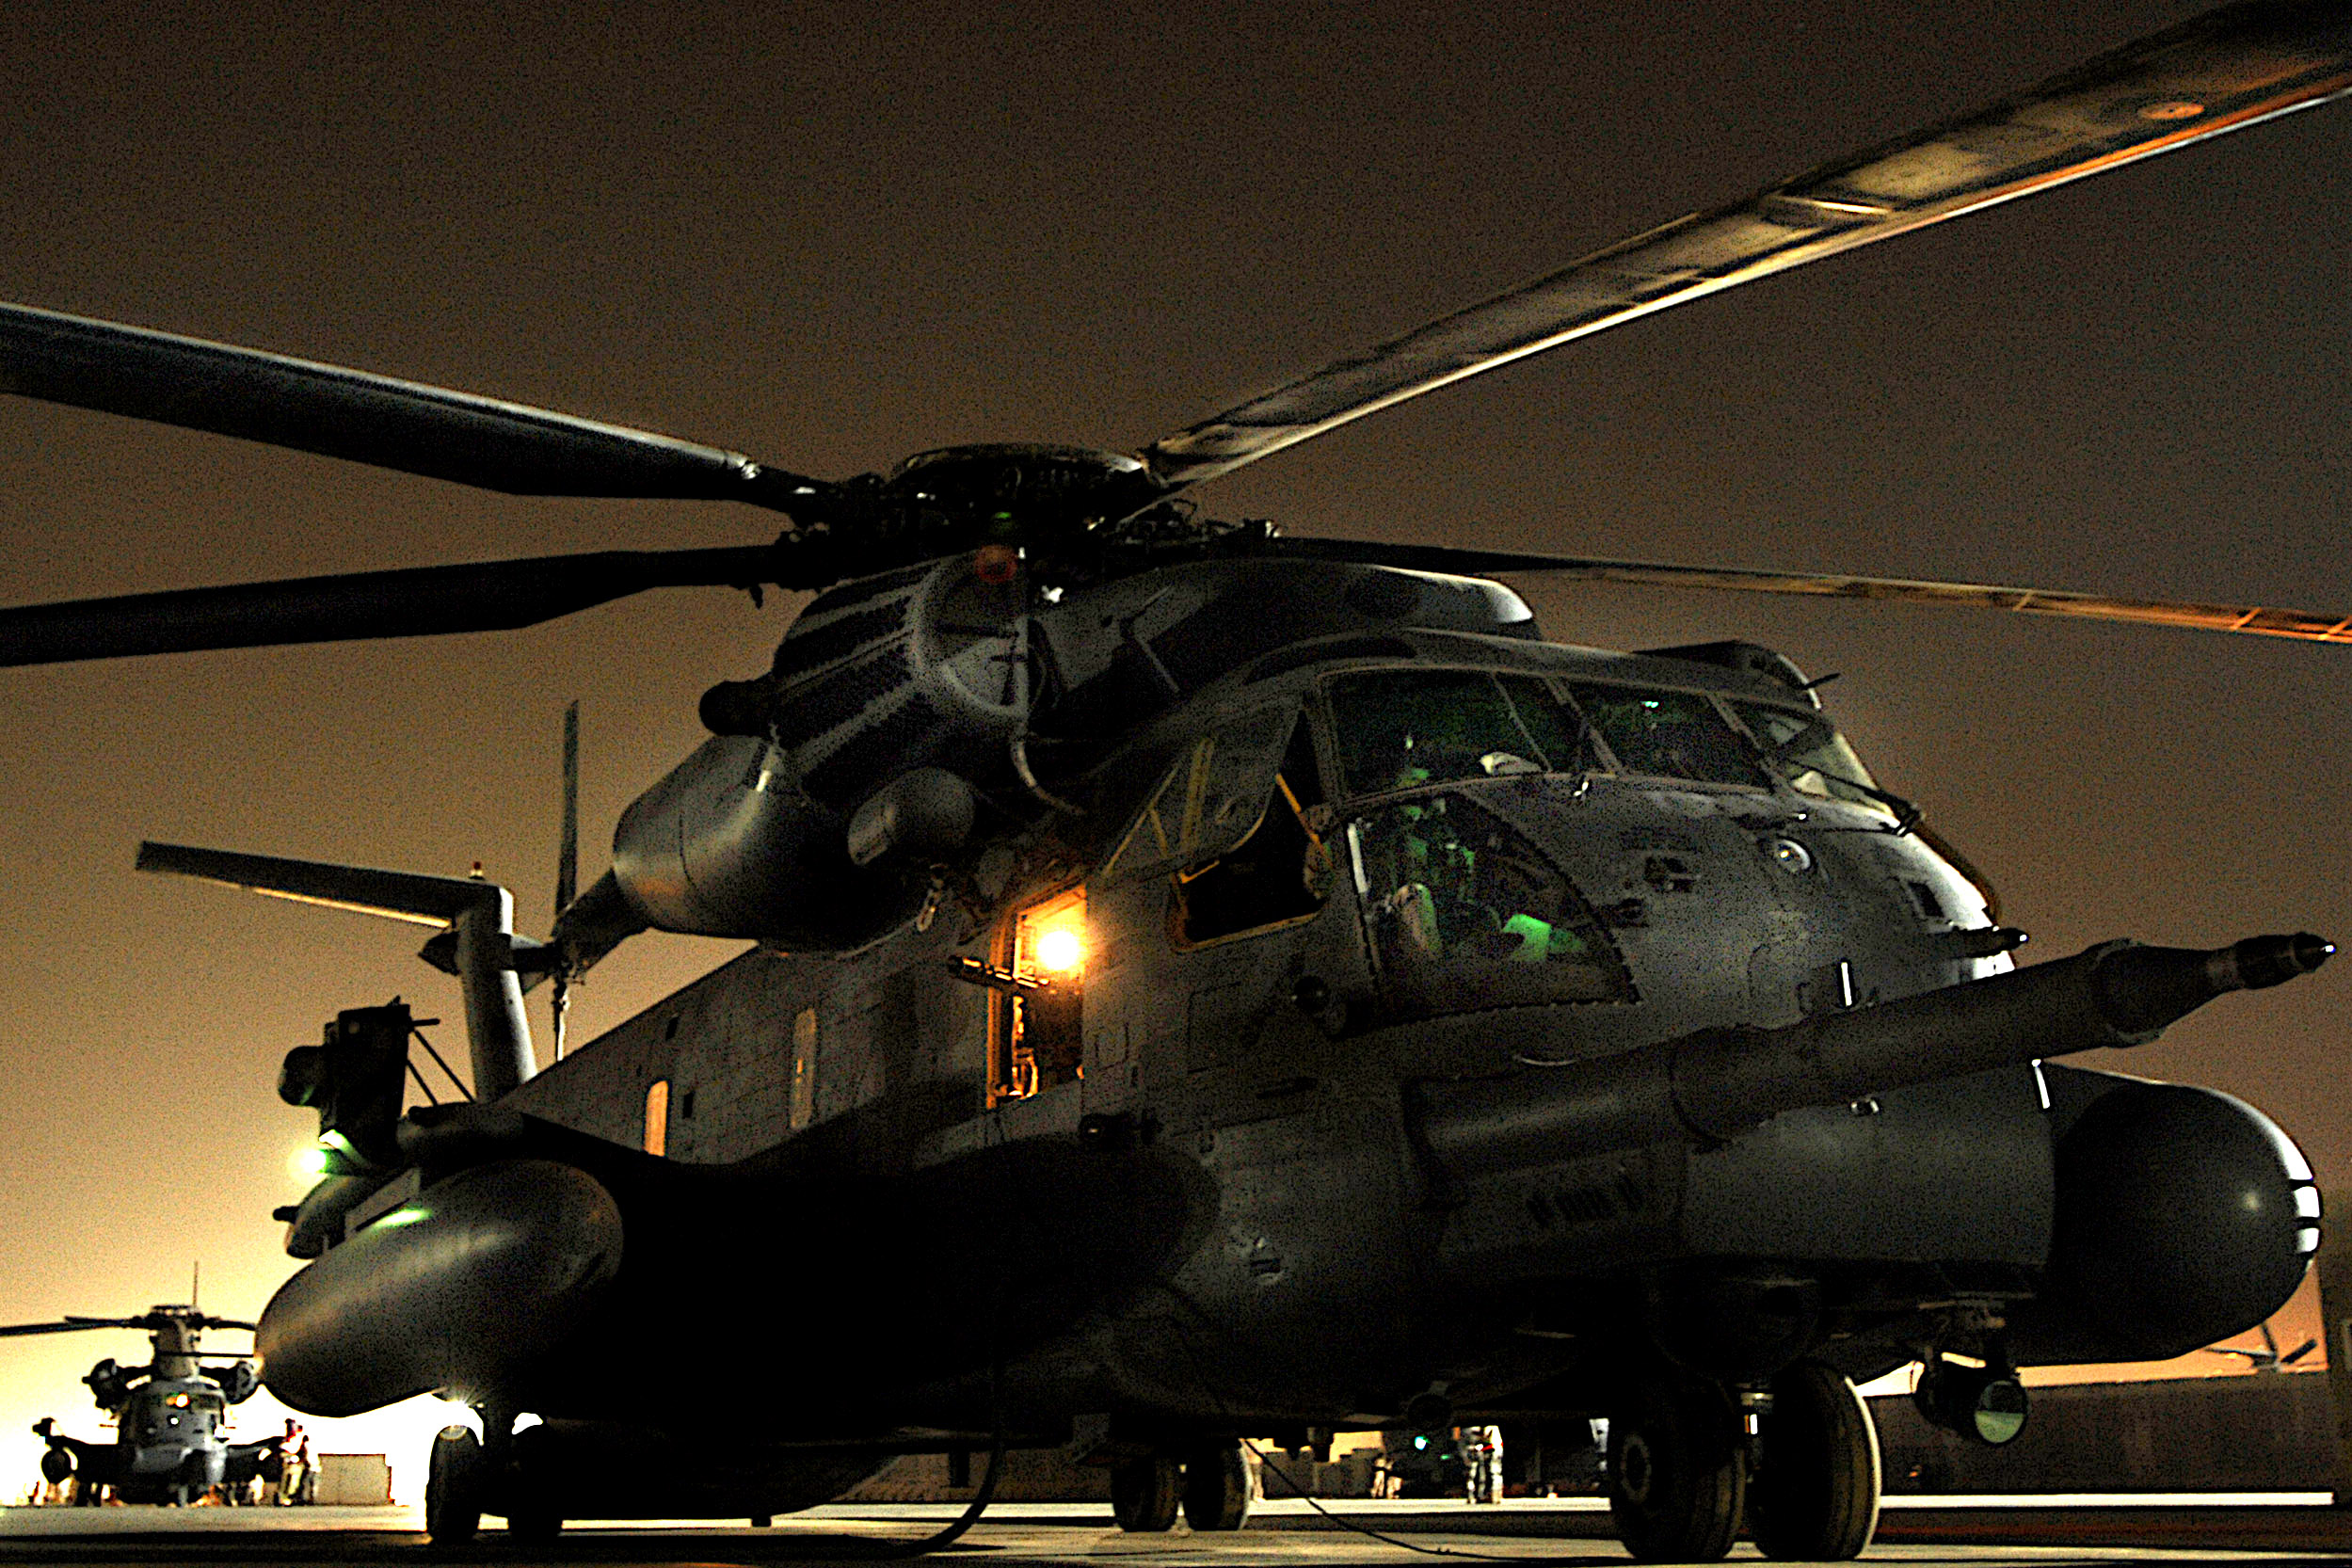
(1815, 1493)
(1216, 1487)
(1143, 1493)
(452, 1489)
(1678, 1471)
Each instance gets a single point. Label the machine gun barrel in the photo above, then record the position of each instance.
(1712, 1086)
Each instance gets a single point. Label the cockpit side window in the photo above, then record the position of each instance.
(1279, 874)
(1399, 729)
(1465, 912)
(1670, 734)
(1814, 756)
(1207, 801)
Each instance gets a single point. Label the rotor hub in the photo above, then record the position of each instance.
(1014, 492)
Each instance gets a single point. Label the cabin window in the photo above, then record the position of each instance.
(1464, 912)
(1399, 729)
(804, 1095)
(1814, 756)
(1670, 734)
(657, 1116)
(1037, 1015)
(1278, 875)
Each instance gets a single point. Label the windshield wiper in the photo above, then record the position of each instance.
(1907, 813)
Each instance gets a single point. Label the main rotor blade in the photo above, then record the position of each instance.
(482, 596)
(2254, 621)
(368, 419)
(75, 1325)
(2229, 69)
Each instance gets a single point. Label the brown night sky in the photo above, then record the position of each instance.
(832, 235)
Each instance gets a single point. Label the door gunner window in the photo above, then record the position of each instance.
(1402, 729)
(1465, 912)
(1036, 1013)
(1669, 735)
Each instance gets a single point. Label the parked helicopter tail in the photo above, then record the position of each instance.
(567, 881)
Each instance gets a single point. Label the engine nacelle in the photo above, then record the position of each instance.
(922, 673)
(2182, 1217)
(921, 667)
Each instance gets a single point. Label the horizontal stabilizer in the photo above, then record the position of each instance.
(420, 900)
(479, 914)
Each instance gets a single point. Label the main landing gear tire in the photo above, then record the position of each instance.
(1678, 1471)
(452, 1489)
(1814, 1497)
(1216, 1487)
(1143, 1493)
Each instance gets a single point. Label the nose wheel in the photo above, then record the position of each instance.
(1677, 1470)
(1814, 1497)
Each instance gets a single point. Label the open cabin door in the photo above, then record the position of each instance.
(1036, 1023)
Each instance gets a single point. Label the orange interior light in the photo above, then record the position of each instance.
(1052, 936)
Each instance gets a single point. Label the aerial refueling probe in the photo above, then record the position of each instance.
(1709, 1087)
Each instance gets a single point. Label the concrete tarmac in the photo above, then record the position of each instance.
(1283, 1533)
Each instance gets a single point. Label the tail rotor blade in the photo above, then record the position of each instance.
(566, 870)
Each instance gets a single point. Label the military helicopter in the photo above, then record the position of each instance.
(1211, 985)
(168, 1414)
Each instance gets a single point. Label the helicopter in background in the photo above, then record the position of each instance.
(169, 1415)
(1213, 984)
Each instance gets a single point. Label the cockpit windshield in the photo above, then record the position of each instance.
(1402, 729)
(1670, 734)
(1813, 756)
